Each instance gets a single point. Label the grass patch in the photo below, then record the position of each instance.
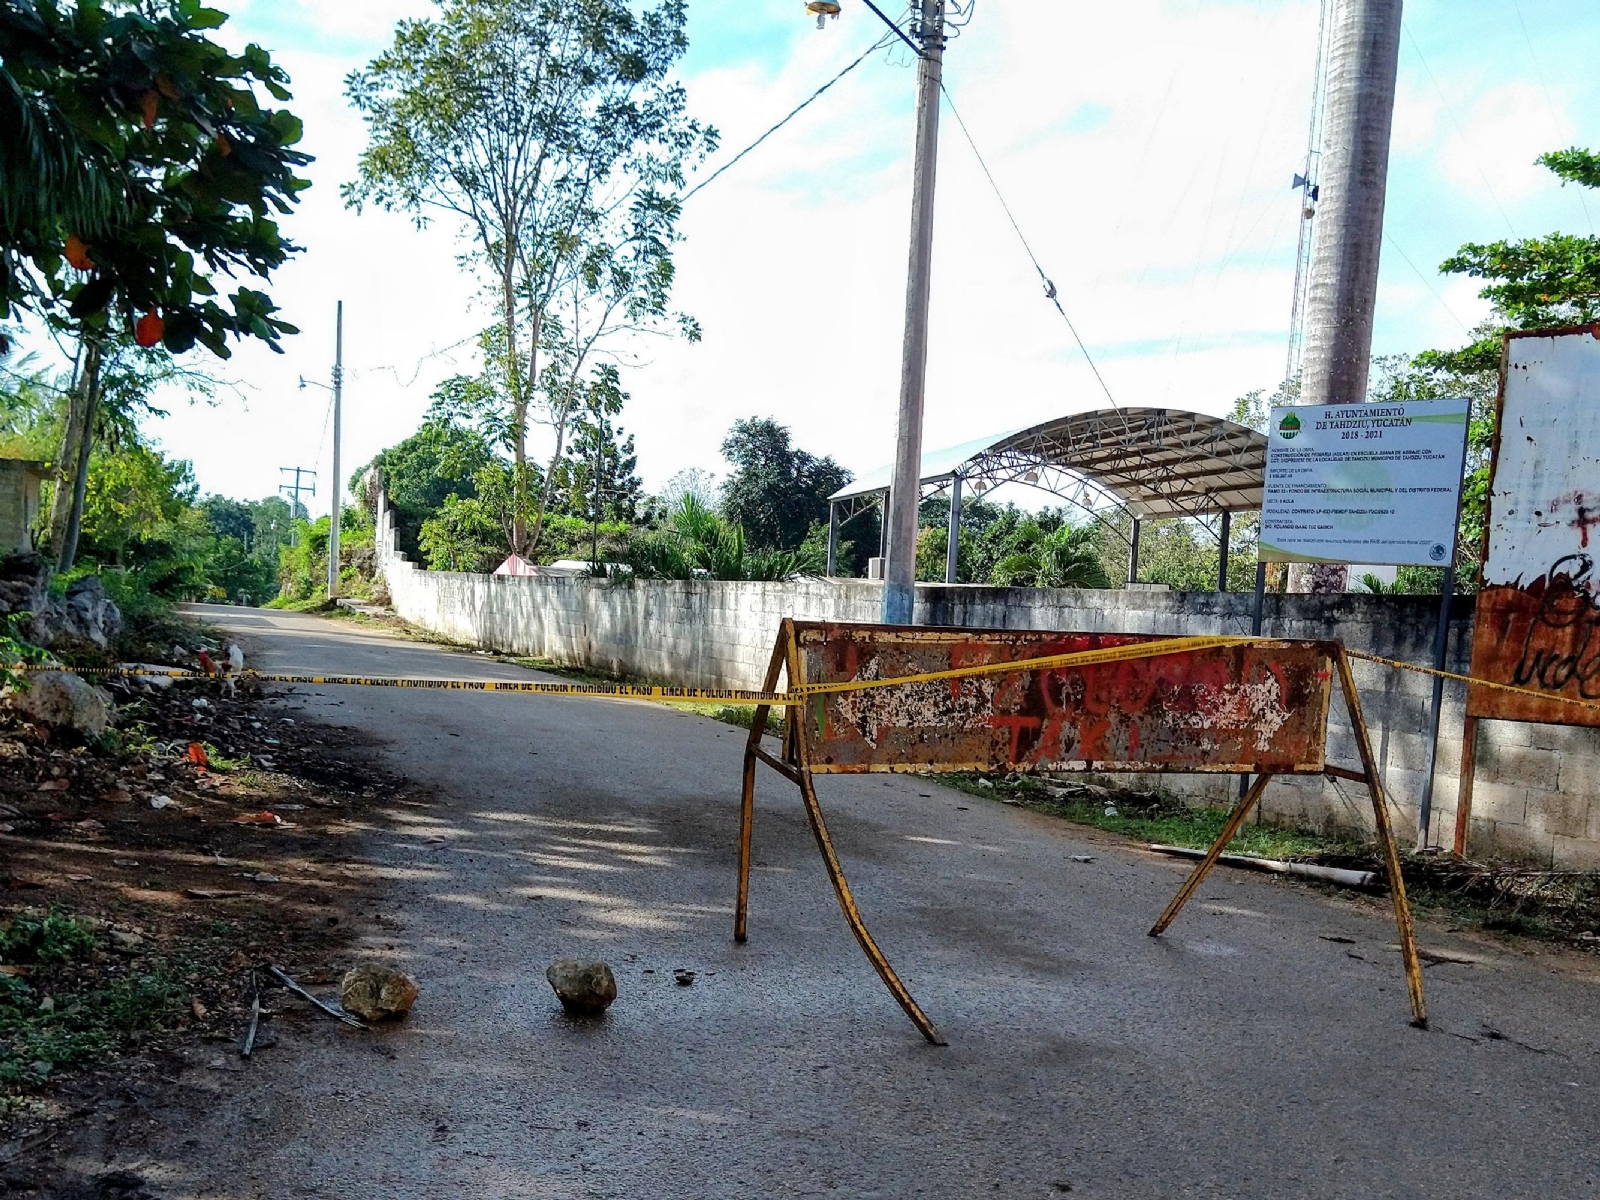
(1147, 816)
(64, 1011)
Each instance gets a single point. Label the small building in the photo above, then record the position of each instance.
(20, 479)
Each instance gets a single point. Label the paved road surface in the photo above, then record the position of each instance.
(1241, 1056)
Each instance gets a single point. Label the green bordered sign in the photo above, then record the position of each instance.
(1365, 483)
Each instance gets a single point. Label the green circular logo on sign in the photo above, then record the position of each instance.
(1289, 427)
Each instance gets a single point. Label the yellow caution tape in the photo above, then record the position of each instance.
(1470, 679)
(614, 691)
(1080, 658)
(798, 696)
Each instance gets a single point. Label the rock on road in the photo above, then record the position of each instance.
(1240, 1056)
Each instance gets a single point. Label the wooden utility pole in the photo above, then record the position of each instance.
(900, 574)
(1363, 61)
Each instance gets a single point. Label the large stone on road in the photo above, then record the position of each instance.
(376, 993)
(586, 989)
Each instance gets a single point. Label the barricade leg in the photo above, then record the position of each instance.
(747, 801)
(1203, 868)
(1391, 853)
(830, 859)
(852, 915)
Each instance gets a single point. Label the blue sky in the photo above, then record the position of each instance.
(1146, 148)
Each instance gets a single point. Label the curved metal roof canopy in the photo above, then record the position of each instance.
(1154, 462)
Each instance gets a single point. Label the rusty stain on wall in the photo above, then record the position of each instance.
(1257, 707)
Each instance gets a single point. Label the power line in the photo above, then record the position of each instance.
(1427, 284)
(1549, 103)
(1450, 109)
(1049, 284)
(793, 113)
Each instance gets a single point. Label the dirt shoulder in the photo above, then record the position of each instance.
(143, 877)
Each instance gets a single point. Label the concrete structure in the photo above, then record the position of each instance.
(1535, 797)
(19, 503)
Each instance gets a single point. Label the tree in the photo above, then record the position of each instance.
(441, 459)
(551, 129)
(462, 536)
(776, 492)
(691, 481)
(1065, 557)
(598, 451)
(1533, 283)
(698, 544)
(145, 165)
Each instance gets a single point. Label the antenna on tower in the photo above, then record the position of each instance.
(1310, 192)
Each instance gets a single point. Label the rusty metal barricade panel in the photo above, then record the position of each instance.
(1261, 707)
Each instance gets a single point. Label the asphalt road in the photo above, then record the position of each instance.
(1243, 1055)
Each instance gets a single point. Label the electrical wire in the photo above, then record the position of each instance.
(793, 113)
(1450, 109)
(1555, 120)
(1427, 284)
(1050, 292)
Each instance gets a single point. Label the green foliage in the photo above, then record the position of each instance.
(599, 450)
(44, 938)
(443, 458)
(303, 565)
(148, 145)
(776, 492)
(698, 544)
(30, 412)
(555, 133)
(15, 650)
(1068, 556)
(462, 536)
(36, 1039)
(1533, 283)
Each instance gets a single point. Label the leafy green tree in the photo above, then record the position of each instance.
(1533, 283)
(599, 450)
(776, 491)
(441, 459)
(462, 536)
(1065, 557)
(553, 131)
(144, 166)
(698, 544)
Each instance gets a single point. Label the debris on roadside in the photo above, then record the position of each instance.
(585, 988)
(322, 1005)
(683, 978)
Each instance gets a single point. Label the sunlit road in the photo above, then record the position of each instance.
(1244, 1055)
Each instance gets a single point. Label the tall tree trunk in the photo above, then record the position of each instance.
(519, 399)
(80, 479)
(1363, 61)
(73, 438)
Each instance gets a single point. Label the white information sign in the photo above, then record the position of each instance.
(1365, 483)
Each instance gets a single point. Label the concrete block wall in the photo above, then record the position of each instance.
(1536, 785)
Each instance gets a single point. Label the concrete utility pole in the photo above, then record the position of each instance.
(1364, 59)
(338, 486)
(900, 574)
(292, 491)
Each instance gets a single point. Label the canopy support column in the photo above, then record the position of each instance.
(833, 540)
(952, 550)
(1133, 554)
(1224, 536)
